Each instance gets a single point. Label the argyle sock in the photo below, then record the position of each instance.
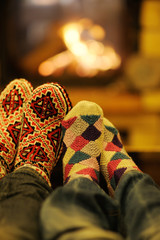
(12, 101)
(40, 139)
(115, 161)
(82, 141)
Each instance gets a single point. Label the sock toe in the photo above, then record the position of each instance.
(12, 100)
(115, 161)
(82, 141)
(40, 140)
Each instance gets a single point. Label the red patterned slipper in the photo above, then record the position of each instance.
(12, 101)
(40, 140)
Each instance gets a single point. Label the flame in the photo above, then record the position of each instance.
(85, 49)
(55, 63)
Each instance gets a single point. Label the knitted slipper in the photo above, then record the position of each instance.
(39, 146)
(115, 161)
(12, 101)
(82, 142)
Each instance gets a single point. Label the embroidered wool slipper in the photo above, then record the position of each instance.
(12, 100)
(40, 139)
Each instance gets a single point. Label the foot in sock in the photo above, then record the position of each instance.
(115, 161)
(82, 141)
(39, 146)
(12, 101)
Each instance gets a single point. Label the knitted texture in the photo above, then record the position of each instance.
(12, 101)
(115, 161)
(82, 141)
(40, 138)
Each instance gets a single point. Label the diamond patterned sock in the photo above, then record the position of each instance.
(115, 161)
(12, 101)
(40, 138)
(82, 141)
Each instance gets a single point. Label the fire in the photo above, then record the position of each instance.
(86, 50)
(55, 63)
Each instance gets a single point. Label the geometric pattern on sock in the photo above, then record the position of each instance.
(40, 139)
(82, 143)
(12, 100)
(14, 132)
(3, 148)
(115, 161)
(34, 153)
(54, 137)
(27, 128)
(44, 107)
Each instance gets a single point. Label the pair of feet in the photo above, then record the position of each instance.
(30, 126)
(33, 124)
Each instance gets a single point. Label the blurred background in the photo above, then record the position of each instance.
(106, 51)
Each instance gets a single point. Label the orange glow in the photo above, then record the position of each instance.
(84, 51)
(85, 23)
(96, 48)
(79, 49)
(45, 68)
(71, 33)
(55, 63)
(97, 32)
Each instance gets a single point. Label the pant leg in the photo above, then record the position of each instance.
(139, 199)
(79, 210)
(21, 195)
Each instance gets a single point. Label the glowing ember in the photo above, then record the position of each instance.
(85, 51)
(55, 63)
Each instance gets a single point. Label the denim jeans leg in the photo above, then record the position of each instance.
(139, 199)
(79, 210)
(21, 195)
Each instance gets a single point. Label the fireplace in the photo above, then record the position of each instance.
(87, 53)
(80, 41)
